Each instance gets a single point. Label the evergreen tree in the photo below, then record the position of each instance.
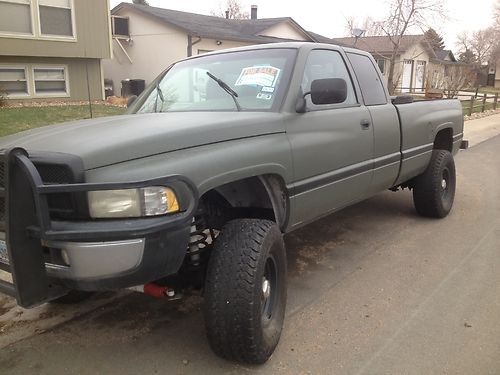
(467, 57)
(434, 39)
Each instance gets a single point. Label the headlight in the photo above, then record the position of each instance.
(148, 201)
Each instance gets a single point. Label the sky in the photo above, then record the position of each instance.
(329, 17)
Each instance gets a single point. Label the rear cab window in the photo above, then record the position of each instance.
(372, 89)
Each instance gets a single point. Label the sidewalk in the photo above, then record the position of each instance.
(477, 131)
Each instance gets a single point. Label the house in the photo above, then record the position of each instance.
(412, 62)
(146, 40)
(447, 74)
(53, 48)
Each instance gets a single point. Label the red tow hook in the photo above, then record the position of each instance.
(158, 291)
(155, 290)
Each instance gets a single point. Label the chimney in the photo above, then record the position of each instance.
(227, 14)
(253, 12)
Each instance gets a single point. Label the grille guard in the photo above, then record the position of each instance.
(28, 221)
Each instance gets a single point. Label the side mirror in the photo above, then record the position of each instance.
(328, 91)
(131, 100)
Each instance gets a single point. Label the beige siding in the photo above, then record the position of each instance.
(77, 74)
(92, 36)
(285, 30)
(152, 48)
(416, 53)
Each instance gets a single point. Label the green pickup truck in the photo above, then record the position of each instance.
(195, 187)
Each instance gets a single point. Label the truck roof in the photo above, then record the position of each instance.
(295, 45)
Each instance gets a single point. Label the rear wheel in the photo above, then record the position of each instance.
(434, 190)
(245, 291)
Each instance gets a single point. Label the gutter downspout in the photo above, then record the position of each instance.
(191, 44)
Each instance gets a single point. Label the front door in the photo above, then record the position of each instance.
(332, 145)
(407, 73)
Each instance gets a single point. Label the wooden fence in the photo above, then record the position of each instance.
(478, 102)
(471, 103)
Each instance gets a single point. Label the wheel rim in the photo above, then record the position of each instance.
(445, 184)
(269, 290)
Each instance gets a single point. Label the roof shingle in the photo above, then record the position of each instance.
(215, 27)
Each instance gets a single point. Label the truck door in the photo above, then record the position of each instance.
(332, 145)
(385, 122)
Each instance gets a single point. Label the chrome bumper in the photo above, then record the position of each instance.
(87, 260)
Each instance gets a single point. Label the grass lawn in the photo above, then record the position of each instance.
(13, 120)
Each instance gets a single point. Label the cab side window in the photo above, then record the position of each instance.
(369, 80)
(327, 64)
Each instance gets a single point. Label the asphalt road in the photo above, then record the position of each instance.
(373, 289)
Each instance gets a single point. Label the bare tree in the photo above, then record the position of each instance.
(234, 10)
(481, 43)
(404, 16)
(451, 79)
(496, 16)
(367, 24)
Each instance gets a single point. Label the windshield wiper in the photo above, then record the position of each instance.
(227, 89)
(159, 93)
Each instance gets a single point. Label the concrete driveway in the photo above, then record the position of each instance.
(373, 289)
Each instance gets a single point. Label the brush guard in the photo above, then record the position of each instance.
(27, 223)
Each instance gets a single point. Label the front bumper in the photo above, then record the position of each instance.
(107, 254)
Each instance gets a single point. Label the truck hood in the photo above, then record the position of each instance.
(109, 140)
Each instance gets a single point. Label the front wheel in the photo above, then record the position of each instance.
(245, 291)
(434, 190)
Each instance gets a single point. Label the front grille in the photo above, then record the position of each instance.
(61, 205)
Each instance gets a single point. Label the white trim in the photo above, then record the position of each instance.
(64, 67)
(26, 79)
(110, 34)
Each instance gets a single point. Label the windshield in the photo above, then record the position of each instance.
(246, 80)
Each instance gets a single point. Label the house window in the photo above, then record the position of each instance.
(381, 65)
(37, 81)
(13, 81)
(15, 17)
(51, 19)
(120, 26)
(55, 17)
(50, 81)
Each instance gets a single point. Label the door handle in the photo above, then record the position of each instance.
(365, 124)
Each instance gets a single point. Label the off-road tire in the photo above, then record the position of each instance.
(434, 190)
(243, 325)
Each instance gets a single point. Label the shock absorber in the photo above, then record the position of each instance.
(201, 238)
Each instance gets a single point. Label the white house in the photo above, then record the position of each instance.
(412, 62)
(146, 40)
